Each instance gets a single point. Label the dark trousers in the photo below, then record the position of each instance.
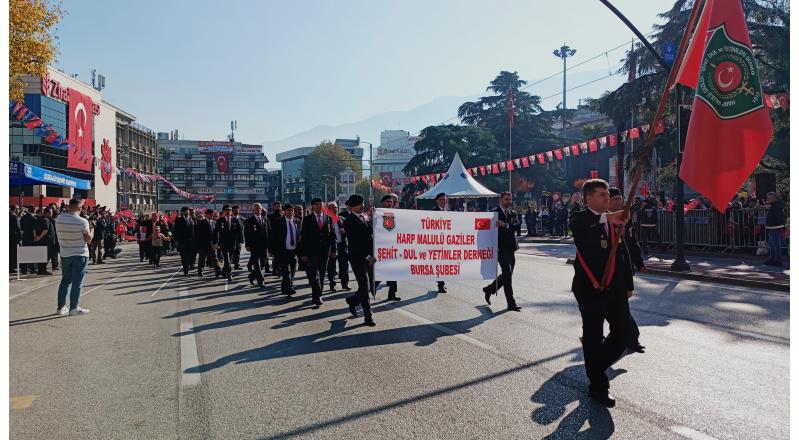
(440, 285)
(12, 256)
(647, 234)
(392, 288)
(236, 255)
(142, 251)
(363, 275)
(187, 255)
(157, 251)
(317, 265)
(227, 256)
(286, 262)
(634, 333)
(507, 261)
(601, 353)
(27, 267)
(207, 257)
(52, 255)
(257, 256)
(97, 245)
(343, 267)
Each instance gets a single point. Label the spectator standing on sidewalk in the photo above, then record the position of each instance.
(531, 218)
(649, 224)
(14, 238)
(73, 234)
(42, 237)
(775, 228)
(28, 224)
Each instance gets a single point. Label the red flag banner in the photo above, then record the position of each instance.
(559, 154)
(80, 153)
(593, 145)
(525, 162)
(634, 133)
(509, 165)
(221, 160)
(612, 140)
(730, 126)
(540, 158)
(659, 126)
(495, 168)
(482, 170)
(575, 150)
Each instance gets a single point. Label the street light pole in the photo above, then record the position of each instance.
(679, 263)
(370, 168)
(563, 53)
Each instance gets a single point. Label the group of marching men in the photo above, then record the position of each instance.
(317, 242)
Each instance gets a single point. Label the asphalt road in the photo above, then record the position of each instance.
(165, 356)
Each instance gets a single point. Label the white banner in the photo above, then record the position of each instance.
(434, 245)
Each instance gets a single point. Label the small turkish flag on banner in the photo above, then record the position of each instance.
(509, 165)
(592, 145)
(634, 133)
(495, 169)
(525, 162)
(80, 153)
(541, 158)
(575, 150)
(559, 154)
(659, 126)
(594, 174)
(482, 224)
(482, 170)
(612, 140)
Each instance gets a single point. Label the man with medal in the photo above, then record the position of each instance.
(594, 230)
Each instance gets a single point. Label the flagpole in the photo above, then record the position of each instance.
(512, 109)
(658, 114)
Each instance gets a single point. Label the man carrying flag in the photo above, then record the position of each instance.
(730, 126)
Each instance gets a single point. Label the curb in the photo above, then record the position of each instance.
(781, 287)
(765, 285)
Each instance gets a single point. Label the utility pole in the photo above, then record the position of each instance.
(683, 116)
(563, 53)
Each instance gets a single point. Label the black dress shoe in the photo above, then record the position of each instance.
(316, 306)
(638, 348)
(251, 277)
(488, 294)
(603, 397)
(345, 287)
(237, 267)
(442, 290)
(394, 298)
(369, 323)
(515, 308)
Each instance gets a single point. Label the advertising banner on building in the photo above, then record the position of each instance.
(79, 126)
(435, 245)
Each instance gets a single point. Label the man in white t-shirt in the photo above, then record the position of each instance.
(73, 233)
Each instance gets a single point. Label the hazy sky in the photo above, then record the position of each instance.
(280, 67)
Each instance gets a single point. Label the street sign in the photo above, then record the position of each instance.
(669, 52)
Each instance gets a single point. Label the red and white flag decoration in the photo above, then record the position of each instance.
(559, 154)
(575, 150)
(634, 133)
(502, 166)
(540, 157)
(566, 151)
(612, 139)
(495, 169)
(593, 145)
(525, 162)
(603, 142)
(482, 170)
(549, 156)
(584, 147)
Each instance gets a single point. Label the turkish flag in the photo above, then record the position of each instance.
(559, 154)
(221, 162)
(593, 145)
(525, 162)
(495, 168)
(730, 126)
(482, 224)
(540, 158)
(575, 150)
(79, 131)
(612, 140)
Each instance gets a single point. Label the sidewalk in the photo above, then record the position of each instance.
(740, 270)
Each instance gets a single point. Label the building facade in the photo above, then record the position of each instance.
(49, 97)
(136, 148)
(295, 189)
(394, 152)
(231, 171)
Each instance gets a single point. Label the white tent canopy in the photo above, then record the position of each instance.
(458, 183)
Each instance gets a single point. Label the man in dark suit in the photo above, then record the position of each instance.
(318, 244)
(341, 253)
(277, 213)
(206, 239)
(256, 240)
(359, 246)
(285, 239)
(441, 205)
(237, 249)
(390, 201)
(184, 237)
(507, 246)
(632, 262)
(14, 238)
(28, 224)
(228, 236)
(594, 232)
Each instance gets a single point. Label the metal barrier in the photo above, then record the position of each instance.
(707, 229)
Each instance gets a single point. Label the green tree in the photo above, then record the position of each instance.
(326, 160)
(31, 41)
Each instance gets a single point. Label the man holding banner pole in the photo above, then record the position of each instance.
(441, 205)
(507, 246)
(359, 246)
(390, 201)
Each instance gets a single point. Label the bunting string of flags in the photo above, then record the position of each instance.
(155, 177)
(559, 153)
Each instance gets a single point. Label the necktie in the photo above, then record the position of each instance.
(291, 232)
(319, 221)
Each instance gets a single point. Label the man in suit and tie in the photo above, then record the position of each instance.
(506, 242)
(206, 240)
(236, 256)
(256, 239)
(341, 253)
(594, 231)
(318, 244)
(441, 205)
(285, 239)
(390, 201)
(228, 235)
(184, 237)
(277, 213)
(359, 246)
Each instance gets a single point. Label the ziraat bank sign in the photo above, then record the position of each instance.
(214, 147)
(54, 89)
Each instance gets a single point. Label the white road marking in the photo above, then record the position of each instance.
(112, 279)
(188, 346)
(445, 329)
(690, 433)
(35, 288)
(165, 282)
